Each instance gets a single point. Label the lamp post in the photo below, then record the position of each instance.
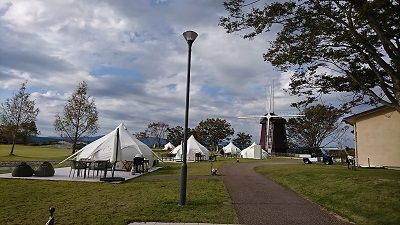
(190, 36)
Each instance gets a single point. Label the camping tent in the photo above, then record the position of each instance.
(105, 148)
(168, 146)
(254, 151)
(231, 149)
(193, 147)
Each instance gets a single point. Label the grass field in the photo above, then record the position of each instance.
(33, 153)
(365, 196)
(27, 201)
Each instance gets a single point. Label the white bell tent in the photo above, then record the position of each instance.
(106, 148)
(254, 151)
(168, 146)
(231, 149)
(193, 147)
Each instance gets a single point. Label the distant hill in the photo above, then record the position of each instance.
(53, 139)
(150, 141)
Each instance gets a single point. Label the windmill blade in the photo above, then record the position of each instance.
(257, 117)
(250, 117)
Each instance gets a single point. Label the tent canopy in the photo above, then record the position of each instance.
(254, 151)
(169, 146)
(193, 147)
(106, 148)
(231, 149)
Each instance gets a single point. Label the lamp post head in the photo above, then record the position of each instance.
(190, 36)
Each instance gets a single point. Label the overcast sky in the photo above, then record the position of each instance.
(134, 58)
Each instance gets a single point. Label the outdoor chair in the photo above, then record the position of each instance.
(45, 170)
(138, 164)
(197, 157)
(100, 165)
(77, 165)
(22, 170)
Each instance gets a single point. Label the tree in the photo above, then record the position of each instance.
(141, 135)
(331, 46)
(17, 111)
(211, 131)
(157, 130)
(80, 116)
(242, 140)
(27, 131)
(175, 135)
(318, 125)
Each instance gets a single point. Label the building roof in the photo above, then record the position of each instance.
(352, 119)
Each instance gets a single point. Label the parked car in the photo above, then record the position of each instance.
(326, 158)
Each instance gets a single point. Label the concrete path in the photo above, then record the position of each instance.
(159, 223)
(258, 200)
(62, 174)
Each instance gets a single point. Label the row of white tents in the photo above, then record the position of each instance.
(120, 144)
(254, 151)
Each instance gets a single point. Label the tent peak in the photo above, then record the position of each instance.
(122, 126)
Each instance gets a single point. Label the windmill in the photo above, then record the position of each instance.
(267, 140)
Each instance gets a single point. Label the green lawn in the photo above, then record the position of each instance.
(365, 196)
(27, 201)
(33, 153)
(197, 168)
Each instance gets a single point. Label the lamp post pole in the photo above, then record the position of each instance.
(190, 36)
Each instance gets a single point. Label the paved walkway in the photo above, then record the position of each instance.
(258, 200)
(159, 223)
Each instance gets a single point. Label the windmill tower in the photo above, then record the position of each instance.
(273, 128)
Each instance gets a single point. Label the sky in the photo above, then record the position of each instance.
(134, 58)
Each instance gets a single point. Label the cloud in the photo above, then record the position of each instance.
(134, 58)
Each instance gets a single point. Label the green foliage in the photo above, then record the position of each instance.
(141, 135)
(242, 140)
(319, 123)
(25, 132)
(365, 196)
(210, 131)
(332, 46)
(175, 135)
(18, 117)
(80, 116)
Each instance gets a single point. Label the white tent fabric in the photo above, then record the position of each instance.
(254, 151)
(231, 149)
(193, 147)
(105, 148)
(169, 146)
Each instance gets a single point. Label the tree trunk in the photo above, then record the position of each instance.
(75, 141)
(16, 128)
(397, 94)
(13, 143)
